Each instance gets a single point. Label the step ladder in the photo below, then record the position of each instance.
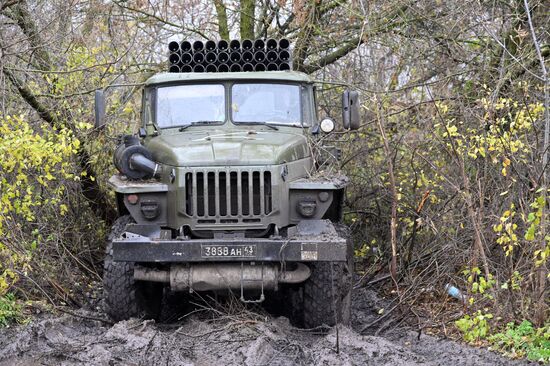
(252, 280)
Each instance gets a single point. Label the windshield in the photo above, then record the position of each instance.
(183, 105)
(270, 103)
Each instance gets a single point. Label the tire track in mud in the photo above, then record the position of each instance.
(227, 340)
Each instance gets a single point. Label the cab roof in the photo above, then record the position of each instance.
(294, 76)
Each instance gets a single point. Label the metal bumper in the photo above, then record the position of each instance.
(310, 243)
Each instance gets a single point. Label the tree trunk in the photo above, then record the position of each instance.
(247, 19)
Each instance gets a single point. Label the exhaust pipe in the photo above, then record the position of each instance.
(223, 57)
(247, 45)
(185, 46)
(284, 43)
(210, 45)
(259, 67)
(223, 68)
(198, 46)
(259, 44)
(173, 46)
(259, 56)
(248, 67)
(271, 44)
(235, 45)
(198, 68)
(223, 276)
(235, 68)
(222, 45)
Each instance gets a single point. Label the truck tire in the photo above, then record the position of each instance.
(125, 297)
(327, 293)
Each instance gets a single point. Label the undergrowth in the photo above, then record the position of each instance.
(524, 340)
(11, 311)
(515, 340)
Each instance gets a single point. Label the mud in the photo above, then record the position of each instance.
(209, 336)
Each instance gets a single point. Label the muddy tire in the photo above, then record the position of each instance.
(125, 297)
(327, 295)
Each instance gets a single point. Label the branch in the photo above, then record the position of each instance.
(31, 99)
(90, 188)
(21, 15)
(268, 14)
(332, 57)
(388, 21)
(7, 3)
(542, 271)
(161, 20)
(305, 36)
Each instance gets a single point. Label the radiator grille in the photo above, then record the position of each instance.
(228, 196)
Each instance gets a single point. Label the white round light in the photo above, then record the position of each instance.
(327, 125)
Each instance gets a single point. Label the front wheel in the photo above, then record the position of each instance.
(124, 296)
(327, 295)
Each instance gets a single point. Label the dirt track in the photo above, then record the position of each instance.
(236, 339)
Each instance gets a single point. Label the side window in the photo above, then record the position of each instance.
(146, 106)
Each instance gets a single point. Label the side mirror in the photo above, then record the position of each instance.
(99, 108)
(350, 110)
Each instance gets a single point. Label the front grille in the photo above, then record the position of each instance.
(243, 196)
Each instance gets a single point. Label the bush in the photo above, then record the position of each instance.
(524, 340)
(10, 310)
(43, 219)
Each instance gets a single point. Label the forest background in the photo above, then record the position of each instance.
(449, 169)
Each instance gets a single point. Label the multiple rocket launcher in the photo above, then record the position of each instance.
(233, 56)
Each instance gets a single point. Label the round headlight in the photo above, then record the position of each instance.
(327, 125)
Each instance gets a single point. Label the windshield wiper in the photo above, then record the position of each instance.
(197, 123)
(268, 124)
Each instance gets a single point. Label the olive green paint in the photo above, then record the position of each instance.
(247, 145)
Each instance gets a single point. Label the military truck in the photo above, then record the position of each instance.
(217, 192)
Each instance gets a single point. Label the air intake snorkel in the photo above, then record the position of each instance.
(134, 160)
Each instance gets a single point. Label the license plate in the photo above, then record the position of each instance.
(228, 251)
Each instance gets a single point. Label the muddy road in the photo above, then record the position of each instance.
(228, 336)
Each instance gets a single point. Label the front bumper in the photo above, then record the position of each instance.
(314, 240)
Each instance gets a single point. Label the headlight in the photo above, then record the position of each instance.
(327, 125)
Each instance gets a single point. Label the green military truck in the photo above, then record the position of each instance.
(217, 191)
